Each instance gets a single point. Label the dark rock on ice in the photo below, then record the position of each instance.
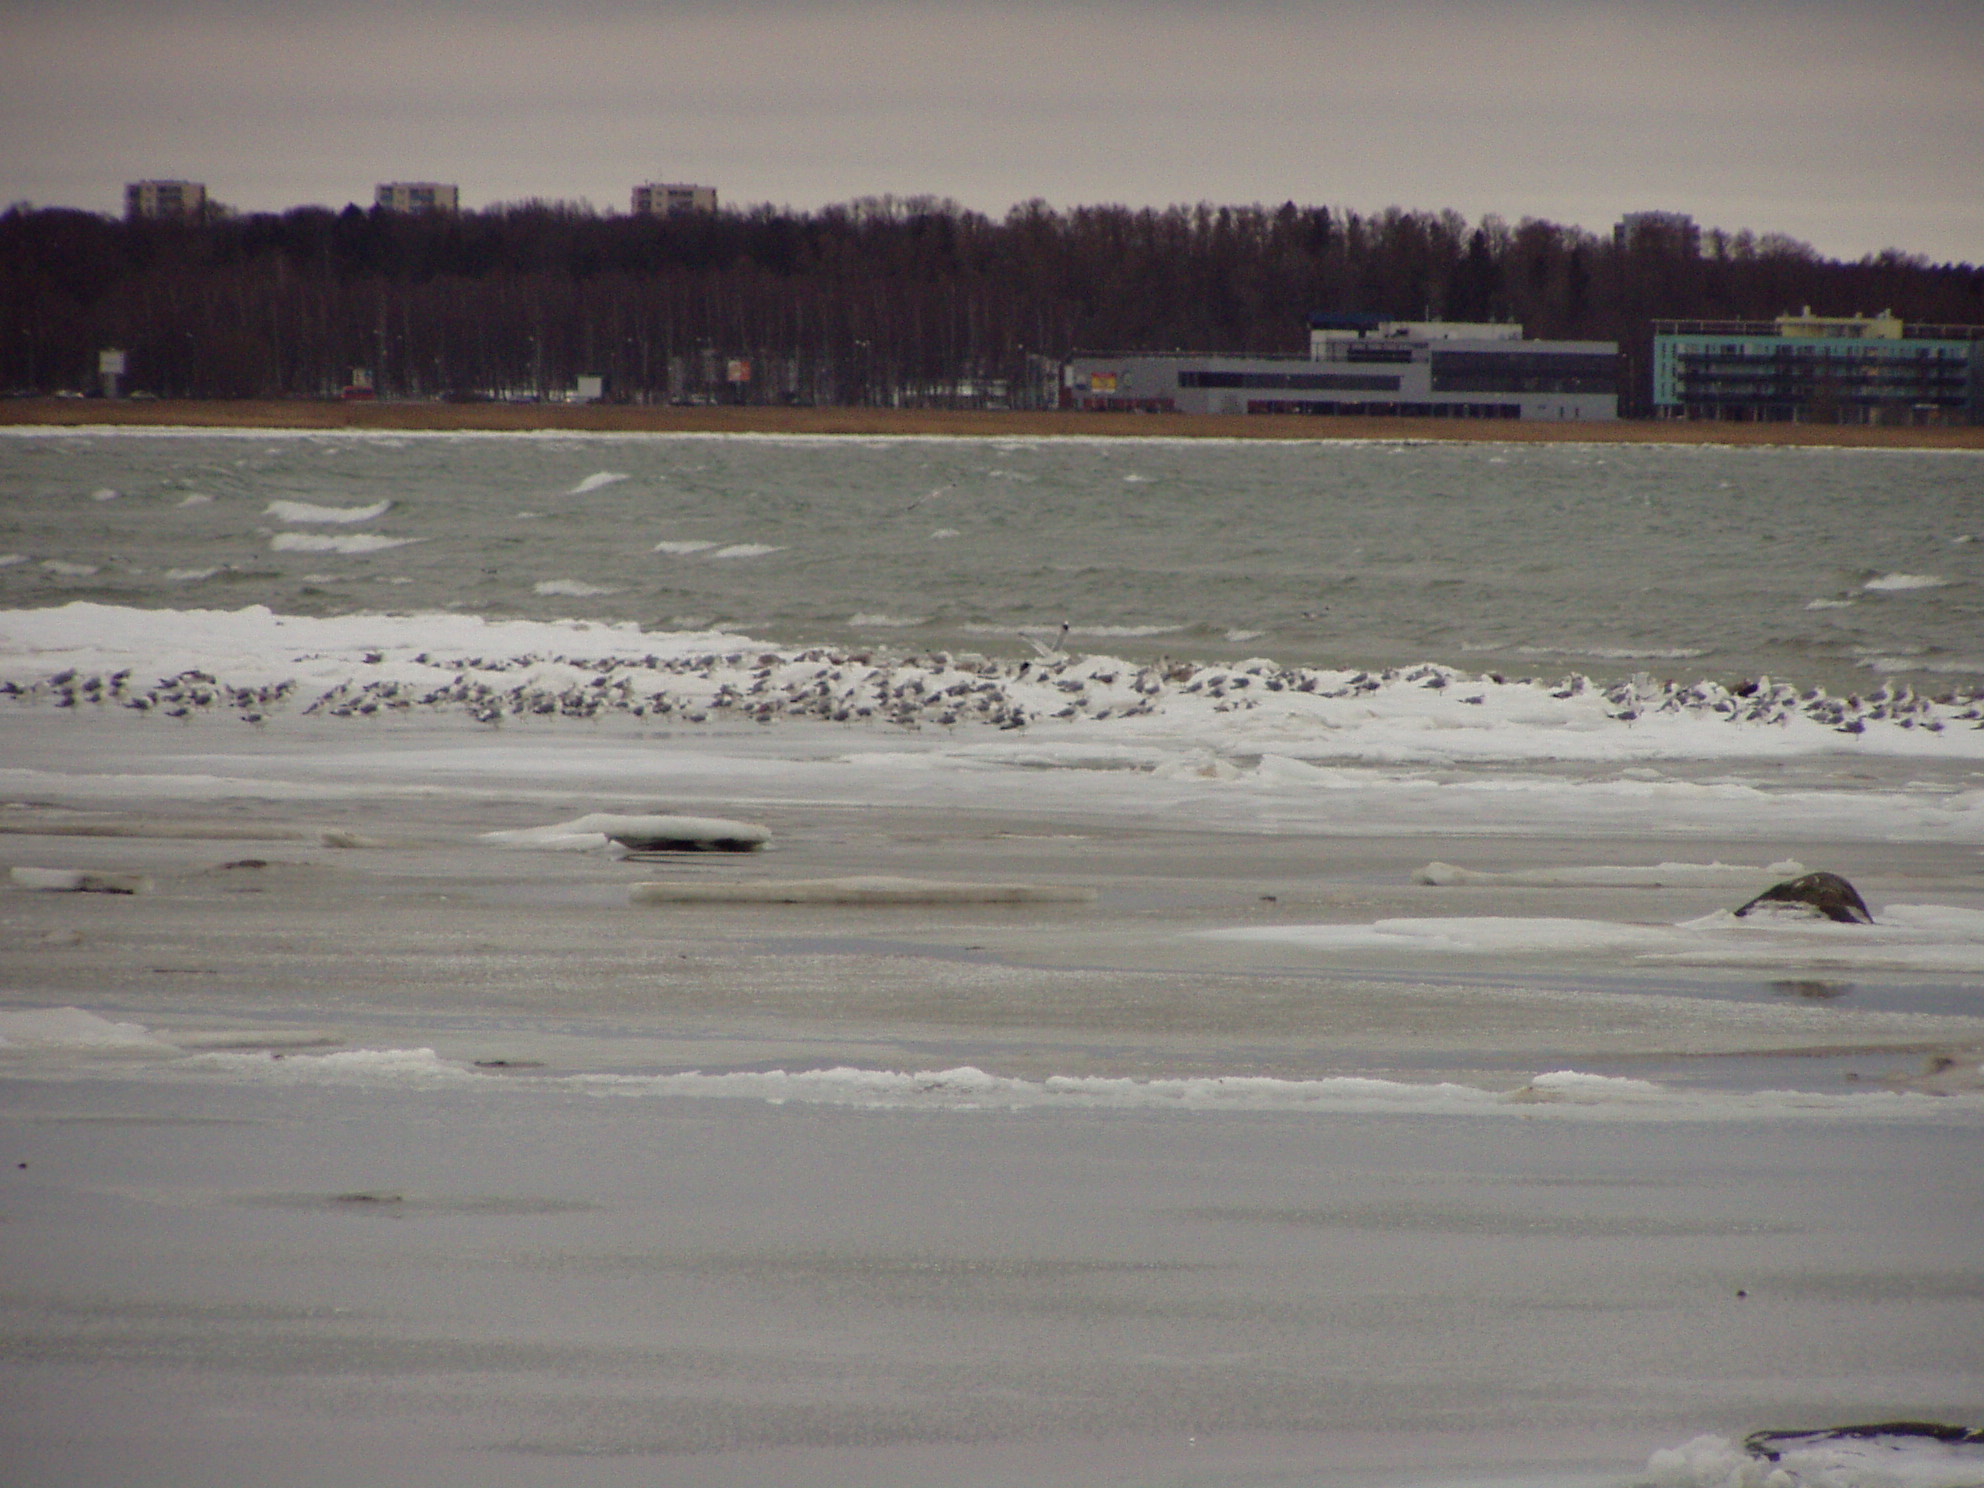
(1826, 893)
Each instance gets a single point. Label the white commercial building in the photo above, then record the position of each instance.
(1364, 365)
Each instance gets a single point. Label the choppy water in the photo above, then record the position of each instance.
(1826, 567)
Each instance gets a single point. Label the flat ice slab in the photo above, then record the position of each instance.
(80, 881)
(875, 890)
(640, 834)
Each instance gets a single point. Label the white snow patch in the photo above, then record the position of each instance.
(304, 511)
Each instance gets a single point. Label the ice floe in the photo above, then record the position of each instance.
(1905, 937)
(1897, 1457)
(72, 1030)
(1613, 876)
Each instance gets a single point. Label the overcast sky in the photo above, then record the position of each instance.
(1853, 124)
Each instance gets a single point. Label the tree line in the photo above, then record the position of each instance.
(881, 301)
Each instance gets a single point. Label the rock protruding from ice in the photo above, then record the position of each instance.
(639, 834)
(873, 890)
(80, 881)
(1813, 894)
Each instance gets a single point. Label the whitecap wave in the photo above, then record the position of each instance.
(355, 542)
(884, 622)
(1902, 583)
(306, 511)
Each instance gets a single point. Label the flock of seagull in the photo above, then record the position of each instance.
(938, 689)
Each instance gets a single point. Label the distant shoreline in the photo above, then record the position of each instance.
(604, 418)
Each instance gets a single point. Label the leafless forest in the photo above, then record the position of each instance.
(911, 303)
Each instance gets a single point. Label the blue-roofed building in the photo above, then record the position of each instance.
(1810, 368)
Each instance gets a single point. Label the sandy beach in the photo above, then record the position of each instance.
(610, 418)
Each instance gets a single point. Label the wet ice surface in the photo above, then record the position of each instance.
(435, 1161)
(237, 1282)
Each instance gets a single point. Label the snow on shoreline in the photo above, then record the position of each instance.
(255, 661)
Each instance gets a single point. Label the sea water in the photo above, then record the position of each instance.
(1823, 566)
(1407, 1108)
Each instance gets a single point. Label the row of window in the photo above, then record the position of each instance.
(1375, 409)
(1524, 372)
(1343, 382)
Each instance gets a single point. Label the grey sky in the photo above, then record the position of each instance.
(1854, 124)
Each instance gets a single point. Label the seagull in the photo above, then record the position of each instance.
(1042, 647)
